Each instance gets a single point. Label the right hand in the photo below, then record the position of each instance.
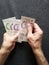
(35, 39)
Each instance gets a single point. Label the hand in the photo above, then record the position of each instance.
(9, 42)
(7, 46)
(34, 39)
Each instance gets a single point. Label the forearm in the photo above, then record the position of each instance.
(41, 60)
(3, 56)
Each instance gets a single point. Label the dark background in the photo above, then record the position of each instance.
(38, 9)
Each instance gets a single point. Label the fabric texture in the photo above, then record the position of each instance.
(38, 9)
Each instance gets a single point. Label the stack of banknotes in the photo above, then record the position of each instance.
(13, 26)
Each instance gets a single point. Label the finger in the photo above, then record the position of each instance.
(6, 35)
(30, 37)
(29, 28)
(37, 28)
(15, 36)
(30, 42)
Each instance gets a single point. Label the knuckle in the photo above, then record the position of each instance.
(4, 34)
(34, 39)
(29, 37)
(41, 32)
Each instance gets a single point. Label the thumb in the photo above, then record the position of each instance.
(29, 28)
(15, 36)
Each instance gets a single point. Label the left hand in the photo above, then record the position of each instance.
(9, 42)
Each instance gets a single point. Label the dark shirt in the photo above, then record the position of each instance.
(38, 9)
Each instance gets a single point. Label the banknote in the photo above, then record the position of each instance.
(25, 20)
(8, 23)
(13, 26)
